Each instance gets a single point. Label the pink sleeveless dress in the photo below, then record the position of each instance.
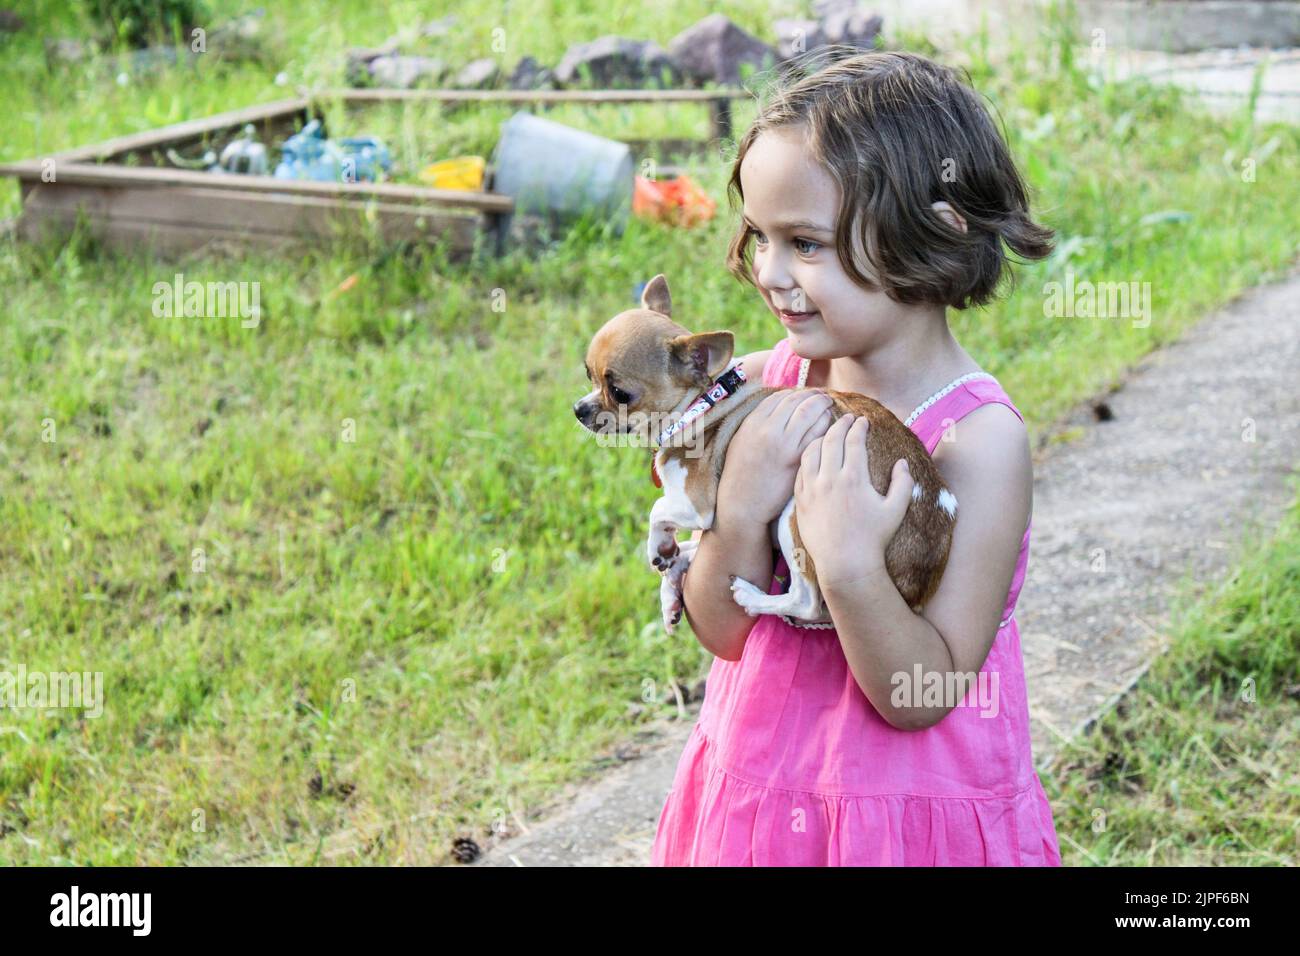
(791, 765)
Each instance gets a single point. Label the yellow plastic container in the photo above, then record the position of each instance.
(462, 172)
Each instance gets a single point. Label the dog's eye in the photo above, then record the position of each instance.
(620, 396)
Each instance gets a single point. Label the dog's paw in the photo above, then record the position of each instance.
(672, 617)
(670, 603)
(662, 548)
(746, 595)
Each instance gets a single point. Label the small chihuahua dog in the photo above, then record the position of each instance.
(677, 391)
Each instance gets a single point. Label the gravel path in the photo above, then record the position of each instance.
(1164, 489)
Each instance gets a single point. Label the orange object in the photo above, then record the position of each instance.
(679, 202)
(342, 287)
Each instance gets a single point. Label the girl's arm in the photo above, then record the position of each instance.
(988, 468)
(730, 548)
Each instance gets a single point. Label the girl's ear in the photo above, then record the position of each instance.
(951, 216)
(655, 296)
(699, 359)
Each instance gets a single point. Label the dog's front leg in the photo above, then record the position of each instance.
(672, 602)
(672, 512)
(667, 517)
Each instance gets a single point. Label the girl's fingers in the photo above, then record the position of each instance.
(774, 404)
(816, 423)
(811, 460)
(833, 459)
(792, 410)
(900, 488)
(855, 447)
(809, 405)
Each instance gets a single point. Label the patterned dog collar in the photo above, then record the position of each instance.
(726, 385)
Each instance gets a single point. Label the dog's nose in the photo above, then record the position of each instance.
(578, 410)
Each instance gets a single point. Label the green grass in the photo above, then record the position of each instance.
(1197, 765)
(409, 637)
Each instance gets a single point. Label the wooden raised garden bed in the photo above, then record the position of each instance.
(128, 196)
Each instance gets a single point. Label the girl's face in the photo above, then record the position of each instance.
(791, 205)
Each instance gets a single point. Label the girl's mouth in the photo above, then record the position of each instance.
(795, 318)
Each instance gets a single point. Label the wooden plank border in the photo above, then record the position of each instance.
(381, 94)
(176, 133)
(180, 218)
(718, 100)
(86, 174)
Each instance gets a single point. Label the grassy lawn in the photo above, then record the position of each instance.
(353, 643)
(1198, 765)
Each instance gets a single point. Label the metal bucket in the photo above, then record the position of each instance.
(559, 173)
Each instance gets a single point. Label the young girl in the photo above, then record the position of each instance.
(876, 192)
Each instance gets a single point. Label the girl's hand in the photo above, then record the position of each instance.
(844, 522)
(763, 456)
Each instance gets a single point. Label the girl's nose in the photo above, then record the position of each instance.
(771, 272)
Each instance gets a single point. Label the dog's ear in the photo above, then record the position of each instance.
(655, 296)
(699, 359)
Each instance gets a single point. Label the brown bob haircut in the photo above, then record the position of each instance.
(897, 132)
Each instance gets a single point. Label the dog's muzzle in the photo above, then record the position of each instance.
(585, 412)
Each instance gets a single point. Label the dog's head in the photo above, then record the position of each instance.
(645, 368)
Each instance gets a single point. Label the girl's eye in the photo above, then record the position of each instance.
(762, 240)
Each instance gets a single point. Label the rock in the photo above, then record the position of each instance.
(242, 38)
(404, 72)
(478, 74)
(838, 22)
(151, 58)
(617, 61)
(844, 21)
(439, 27)
(528, 74)
(797, 36)
(714, 49)
(365, 54)
(65, 50)
(11, 22)
(359, 58)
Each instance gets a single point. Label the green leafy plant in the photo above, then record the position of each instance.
(140, 22)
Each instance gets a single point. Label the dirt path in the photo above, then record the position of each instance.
(1168, 488)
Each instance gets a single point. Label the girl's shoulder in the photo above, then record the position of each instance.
(973, 398)
(985, 459)
(987, 420)
(780, 365)
(977, 436)
(758, 366)
(989, 431)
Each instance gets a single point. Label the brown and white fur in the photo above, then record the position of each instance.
(659, 369)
